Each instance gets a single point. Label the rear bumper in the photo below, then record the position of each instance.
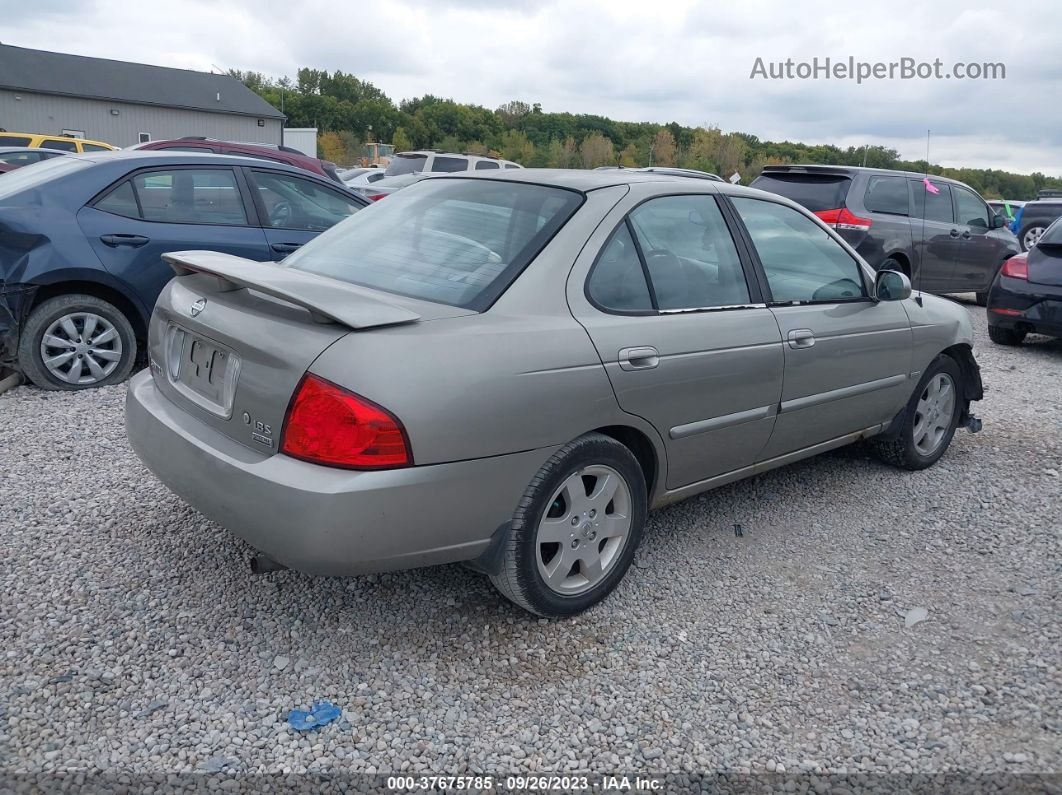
(1017, 304)
(322, 520)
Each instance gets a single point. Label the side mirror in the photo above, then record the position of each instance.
(998, 221)
(891, 286)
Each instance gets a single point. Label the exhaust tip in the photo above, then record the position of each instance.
(263, 564)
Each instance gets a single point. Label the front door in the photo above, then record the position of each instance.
(935, 236)
(847, 356)
(295, 210)
(680, 328)
(980, 251)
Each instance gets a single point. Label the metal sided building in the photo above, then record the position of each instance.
(127, 103)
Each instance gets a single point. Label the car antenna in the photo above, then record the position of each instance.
(925, 201)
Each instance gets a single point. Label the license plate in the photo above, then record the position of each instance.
(202, 370)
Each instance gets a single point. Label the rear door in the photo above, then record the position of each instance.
(935, 235)
(294, 210)
(847, 357)
(681, 330)
(980, 251)
(158, 210)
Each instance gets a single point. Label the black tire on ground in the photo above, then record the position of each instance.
(520, 580)
(1005, 336)
(892, 264)
(901, 451)
(982, 298)
(42, 317)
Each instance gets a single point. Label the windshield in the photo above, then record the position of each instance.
(406, 164)
(35, 174)
(817, 192)
(453, 241)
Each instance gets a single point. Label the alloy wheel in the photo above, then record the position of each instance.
(81, 348)
(1032, 237)
(933, 414)
(584, 531)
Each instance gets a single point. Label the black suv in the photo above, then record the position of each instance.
(949, 241)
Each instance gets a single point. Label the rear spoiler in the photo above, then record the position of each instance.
(328, 300)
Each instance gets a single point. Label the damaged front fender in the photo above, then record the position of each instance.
(15, 301)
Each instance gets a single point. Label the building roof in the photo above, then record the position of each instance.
(44, 72)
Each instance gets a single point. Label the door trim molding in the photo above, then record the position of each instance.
(723, 421)
(839, 394)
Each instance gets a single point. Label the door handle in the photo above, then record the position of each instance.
(136, 241)
(954, 233)
(285, 248)
(644, 358)
(801, 338)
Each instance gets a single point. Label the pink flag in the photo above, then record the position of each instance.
(930, 186)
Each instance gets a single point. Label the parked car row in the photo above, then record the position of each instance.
(1026, 296)
(83, 238)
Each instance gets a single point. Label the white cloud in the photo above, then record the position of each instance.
(682, 61)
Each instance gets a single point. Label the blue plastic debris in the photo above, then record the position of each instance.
(323, 713)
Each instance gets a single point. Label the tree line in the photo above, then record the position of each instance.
(348, 111)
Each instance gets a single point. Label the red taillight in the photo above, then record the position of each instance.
(842, 219)
(329, 425)
(376, 197)
(1017, 267)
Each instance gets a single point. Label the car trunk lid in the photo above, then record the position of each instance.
(230, 338)
(1045, 264)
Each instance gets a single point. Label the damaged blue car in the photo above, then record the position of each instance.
(82, 239)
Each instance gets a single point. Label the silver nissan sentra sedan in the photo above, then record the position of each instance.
(511, 370)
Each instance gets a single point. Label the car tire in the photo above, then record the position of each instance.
(1005, 336)
(981, 298)
(1030, 233)
(558, 578)
(75, 363)
(928, 422)
(891, 264)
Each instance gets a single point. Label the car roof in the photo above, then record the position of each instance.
(581, 179)
(814, 168)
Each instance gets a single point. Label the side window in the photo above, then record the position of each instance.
(14, 140)
(971, 210)
(190, 196)
(617, 281)
(511, 165)
(887, 195)
(62, 144)
(295, 203)
(94, 148)
(689, 254)
(120, 201)
(483, 165)
(801, 260)
(448, 164)
(935, 206)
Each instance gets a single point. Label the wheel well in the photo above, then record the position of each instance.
(971, 373)
(905, 264)
(639, 444)
(97, 290)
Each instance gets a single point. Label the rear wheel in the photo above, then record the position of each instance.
(575, 532)
(1005, 336)
(76, 342)
(1030, 235)
(982, 298)
(892, 264)
(930, 419)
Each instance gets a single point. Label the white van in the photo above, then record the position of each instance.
(431, 161)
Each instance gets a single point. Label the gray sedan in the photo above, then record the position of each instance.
(512, 370)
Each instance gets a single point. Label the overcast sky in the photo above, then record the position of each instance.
(639, 61)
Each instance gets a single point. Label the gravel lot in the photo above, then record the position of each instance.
(135, 638)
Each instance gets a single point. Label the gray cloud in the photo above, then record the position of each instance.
(685, 61)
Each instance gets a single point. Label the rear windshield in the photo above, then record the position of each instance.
(814, 191)
(35, 174)
(453, 241)
(1052, 236)
(405, 164)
